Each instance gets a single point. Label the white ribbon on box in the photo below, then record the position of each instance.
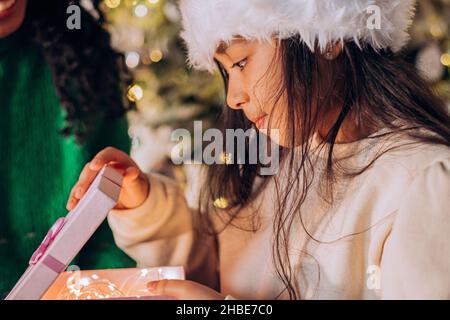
(67, 236)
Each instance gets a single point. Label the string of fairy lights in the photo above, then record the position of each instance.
(146, 31)
(430, 44)
(133, 59)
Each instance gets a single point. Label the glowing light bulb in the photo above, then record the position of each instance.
(225, 158)
(156, 55)
(112, 3)
(135, 93)
(436, 30)
(140, 10)
(132, 59)
(445, 59)
(220, 203)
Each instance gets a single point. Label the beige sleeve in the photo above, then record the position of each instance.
(160, 233)
(416, 256)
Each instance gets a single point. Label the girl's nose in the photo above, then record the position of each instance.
(237, 100)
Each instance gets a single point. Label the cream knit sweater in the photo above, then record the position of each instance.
(386, 235)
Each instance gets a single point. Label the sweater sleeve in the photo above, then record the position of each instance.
(416, 257)
(161, 232)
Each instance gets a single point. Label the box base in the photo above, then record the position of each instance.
(110, 284)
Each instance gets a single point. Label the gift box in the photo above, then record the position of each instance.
(109, 284)
(66, 238)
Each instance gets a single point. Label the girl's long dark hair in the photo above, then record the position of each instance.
(377, 89)
(90, 77)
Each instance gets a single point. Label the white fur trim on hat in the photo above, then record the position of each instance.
(206, 23)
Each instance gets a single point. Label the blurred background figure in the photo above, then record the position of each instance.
(61, 100)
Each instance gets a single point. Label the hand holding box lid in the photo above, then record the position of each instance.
(135, 185)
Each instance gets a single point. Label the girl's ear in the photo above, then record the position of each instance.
(332, 51)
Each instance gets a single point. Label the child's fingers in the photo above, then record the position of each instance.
(131, 174)
(183, 290)
(79, 189)
(170, 288)
(71, 203)
(131, 183)
(84, 181)
(135, 188)
(117, 159)
(108, 155)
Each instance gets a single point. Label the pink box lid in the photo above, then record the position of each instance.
(68, 235)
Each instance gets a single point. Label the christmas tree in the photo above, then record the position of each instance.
(168, 94)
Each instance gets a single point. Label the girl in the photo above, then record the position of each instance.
(359, 206)
(61, 102)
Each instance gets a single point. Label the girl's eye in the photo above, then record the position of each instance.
(241, 64)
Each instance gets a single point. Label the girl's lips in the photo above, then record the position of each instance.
(7, 8)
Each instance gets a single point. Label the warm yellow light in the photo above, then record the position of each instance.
(156, 55)
(445, 59)
(220, 203)
(112, 3)
(153, 1)
(436, 31)
(131, 3)
(135, 93)
(225, 158)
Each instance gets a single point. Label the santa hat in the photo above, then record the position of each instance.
(206, 23)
